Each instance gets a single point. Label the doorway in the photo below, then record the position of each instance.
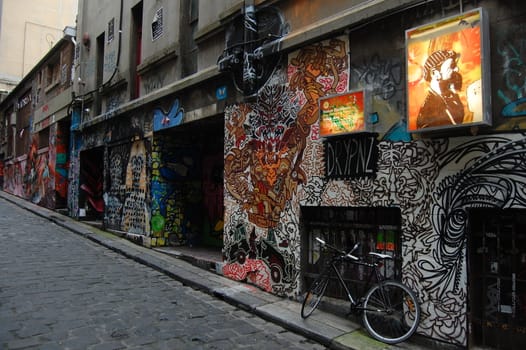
(91, 203)
(497, 278)
(187, 186)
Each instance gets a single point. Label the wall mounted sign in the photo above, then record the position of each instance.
(221, 93)
(343, 114)
(351, 156)
(448, 74)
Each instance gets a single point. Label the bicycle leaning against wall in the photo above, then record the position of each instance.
(390, 310)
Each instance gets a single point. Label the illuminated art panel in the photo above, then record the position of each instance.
(447, 73)
(343, 114)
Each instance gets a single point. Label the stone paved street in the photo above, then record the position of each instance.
(59, 290)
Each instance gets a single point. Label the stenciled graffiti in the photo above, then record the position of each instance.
(252, 43)
(135, 213)
(114, 198)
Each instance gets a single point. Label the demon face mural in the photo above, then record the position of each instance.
(264, 143)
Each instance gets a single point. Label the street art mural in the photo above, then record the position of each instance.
(264, 149)
(126, 199)
(60, 153)
(114, 174)
(136, 212)
(165, 120)
(39, 177)
(274, 164)
(434, 183)
(175, 192)
(14, 177)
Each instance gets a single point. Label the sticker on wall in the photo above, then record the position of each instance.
(447, 73)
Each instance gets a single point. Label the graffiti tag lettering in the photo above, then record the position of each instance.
(351, 157)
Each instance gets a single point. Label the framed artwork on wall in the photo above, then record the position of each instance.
(448, 76)
(344, 113)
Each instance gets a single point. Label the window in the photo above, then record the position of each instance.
(111, 30)
(43, 138)
(194, 10)
(157, 24)
(52, 73)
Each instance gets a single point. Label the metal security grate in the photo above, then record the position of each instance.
(377, 229)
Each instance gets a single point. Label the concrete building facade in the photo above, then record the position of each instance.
(255, 126)
(28, 30)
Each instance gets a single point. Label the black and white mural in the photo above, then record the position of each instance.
(434, 182)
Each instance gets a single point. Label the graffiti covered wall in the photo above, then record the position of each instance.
(33, 177)
(124, 172)
(266, 147)
(175, 191)
(274, 164)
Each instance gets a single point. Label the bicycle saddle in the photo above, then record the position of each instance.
(380, 256)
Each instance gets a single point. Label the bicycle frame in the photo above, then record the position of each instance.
(335, 260)
(390, 309)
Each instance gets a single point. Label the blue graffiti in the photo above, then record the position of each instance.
(515, 108)
(514, 69)
(398, 132)
(165, 120)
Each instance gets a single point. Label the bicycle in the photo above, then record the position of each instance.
(390, 310)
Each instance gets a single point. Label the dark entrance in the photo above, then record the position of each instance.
(187, 186)
(497, 271)
(91, 203)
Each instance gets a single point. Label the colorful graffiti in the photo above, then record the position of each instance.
(275, 165)
(176, 193)
(264, 145)
(60, 155)
(164, 120)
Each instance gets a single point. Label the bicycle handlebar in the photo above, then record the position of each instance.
(350, 255)
(347, 255)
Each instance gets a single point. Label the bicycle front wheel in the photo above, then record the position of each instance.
(314, 295)
(391, 312)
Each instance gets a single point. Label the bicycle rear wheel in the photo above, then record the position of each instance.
(391, 312)
(314, 295)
